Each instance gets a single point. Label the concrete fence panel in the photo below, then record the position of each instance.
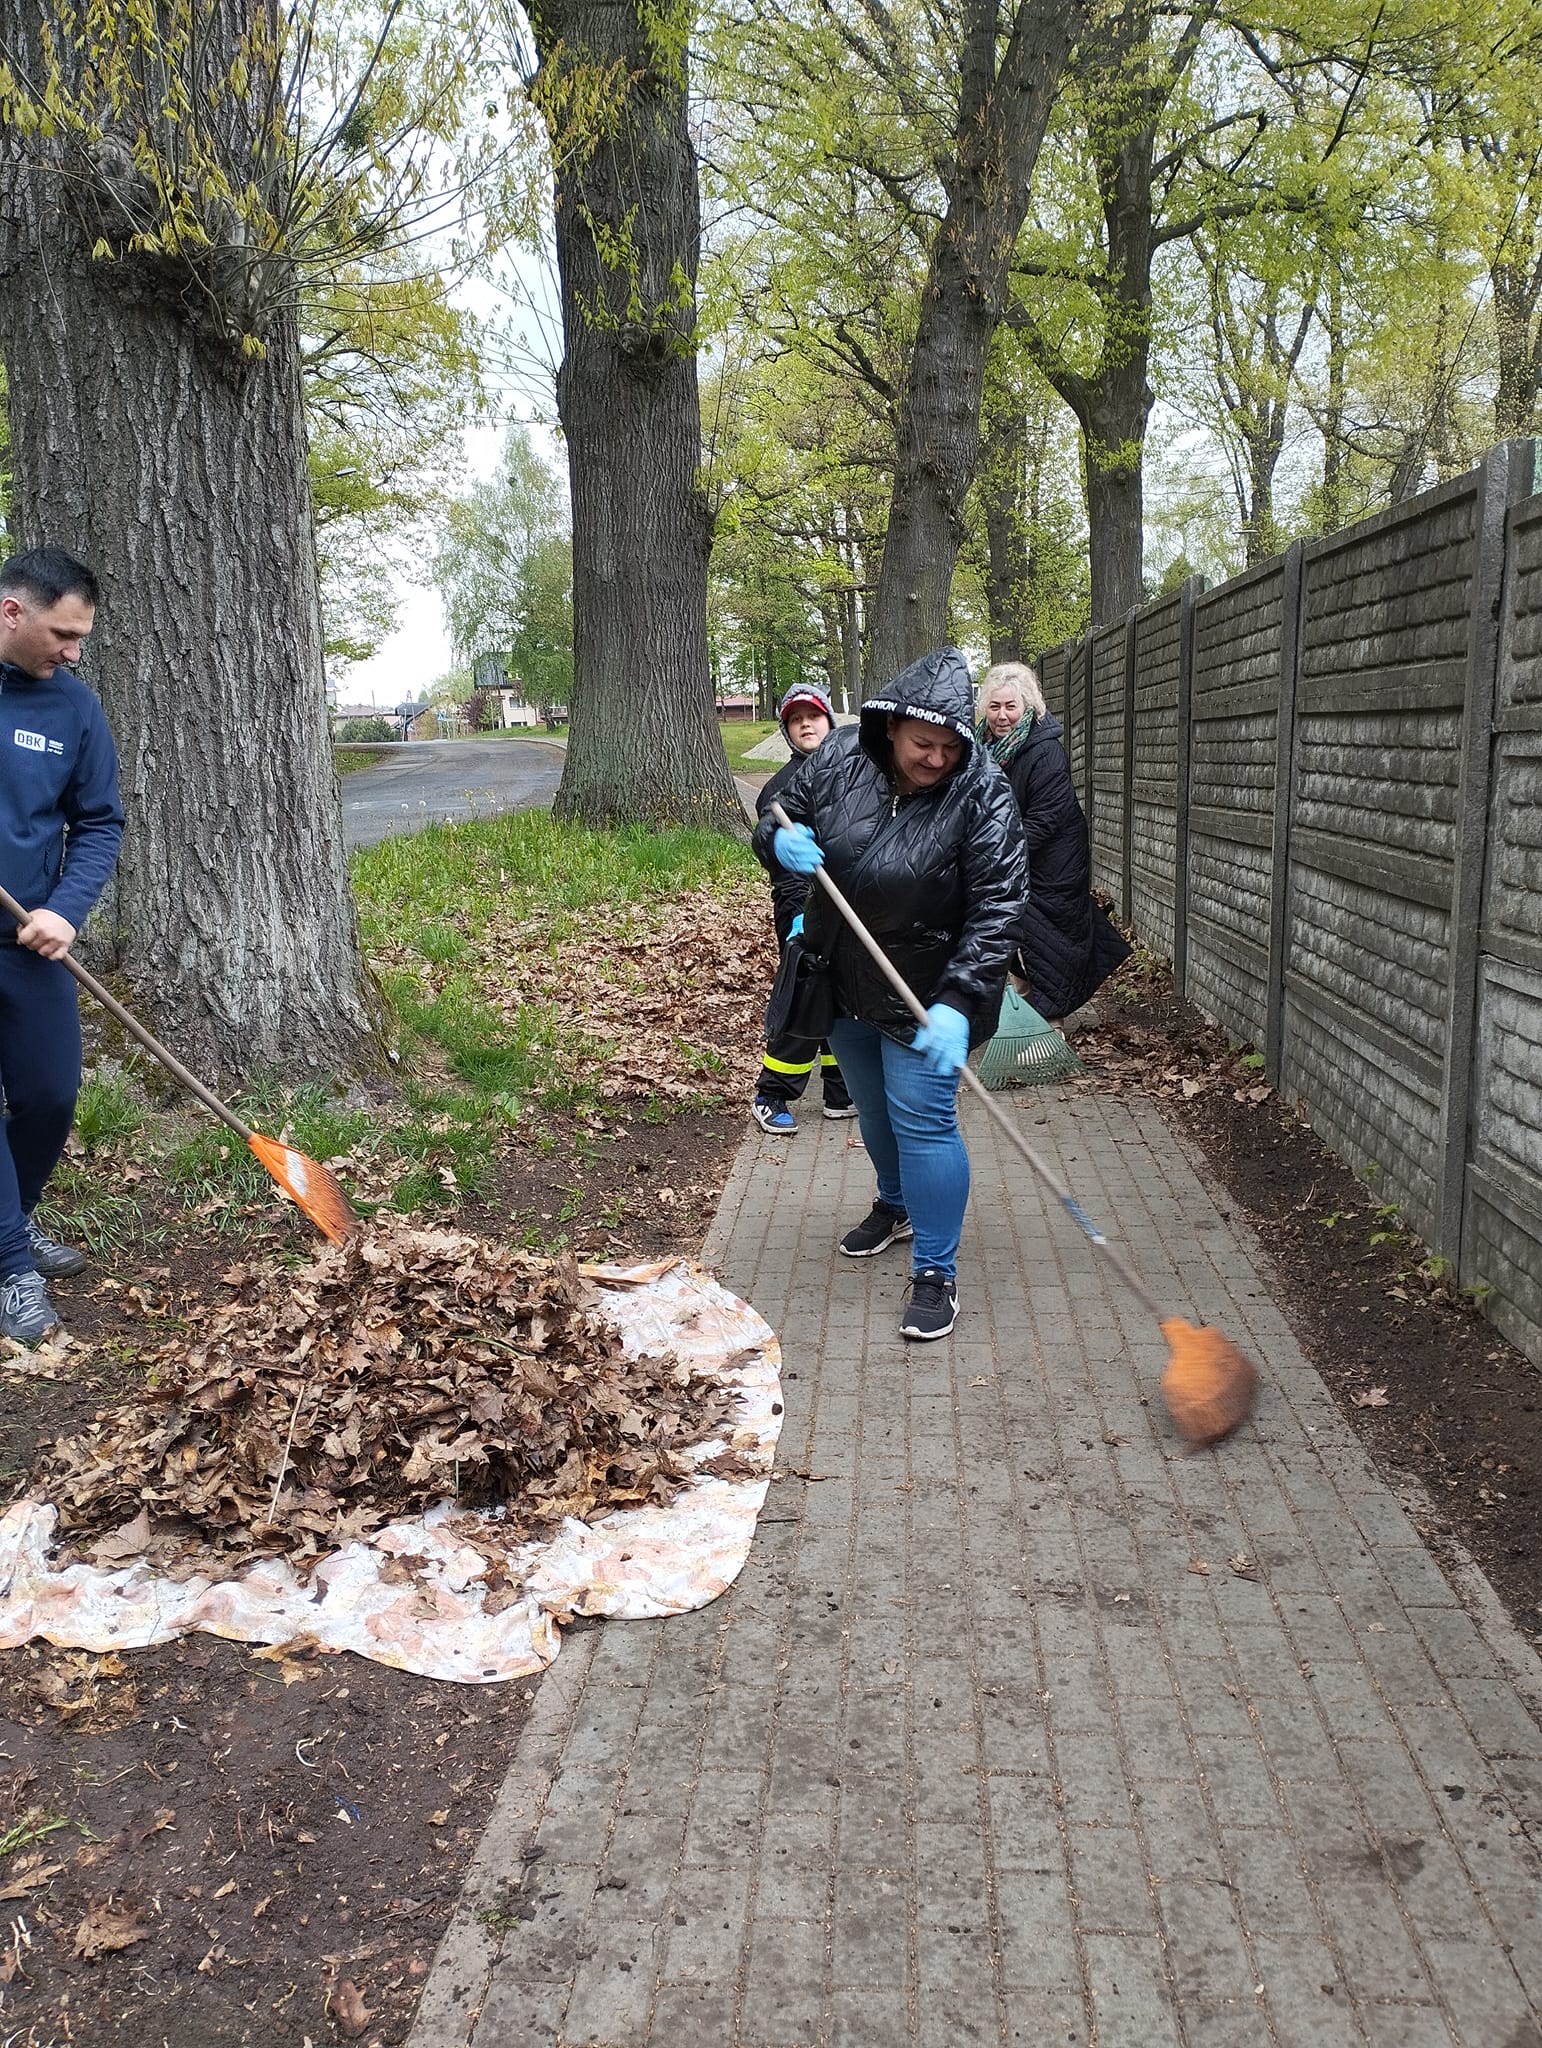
(1502, 1234)
(1154, 771)
(1379, 700)
(1105, 814)
(1318, 790)
(1234, 718)
(1054, 671)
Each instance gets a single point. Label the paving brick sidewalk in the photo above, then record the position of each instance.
(1019, 1726)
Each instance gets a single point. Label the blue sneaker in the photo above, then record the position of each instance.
(774, 1117)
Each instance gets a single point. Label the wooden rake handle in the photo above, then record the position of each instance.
(969, 1079)
(132, 1025)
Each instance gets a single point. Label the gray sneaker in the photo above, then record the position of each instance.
(26, 1313)
(53, 1260)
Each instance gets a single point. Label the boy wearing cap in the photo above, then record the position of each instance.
(807, 719)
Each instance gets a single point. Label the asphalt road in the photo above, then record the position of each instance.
(443, 782)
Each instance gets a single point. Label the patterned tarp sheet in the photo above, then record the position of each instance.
(416, 1594)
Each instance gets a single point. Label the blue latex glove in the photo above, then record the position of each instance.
(795, 929)
(797, 850)
(943, 1039)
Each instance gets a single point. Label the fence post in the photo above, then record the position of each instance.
(1284, 805)
(1089, 722)
(1506, 476)
(1185, 746)
(1127, 776)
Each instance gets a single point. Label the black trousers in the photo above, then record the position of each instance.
(788, 1065)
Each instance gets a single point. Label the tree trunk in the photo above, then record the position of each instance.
(148, 445)
(1113, 403)
(1516, 288)
(1262, 420)
(1002, 115)
(643, 744)
(1002, 472)
(833, 656)
(1331, 425)
(1126, 86)
(1115, 510)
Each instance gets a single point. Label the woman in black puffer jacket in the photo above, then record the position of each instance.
(1070, 947)
(922, 834)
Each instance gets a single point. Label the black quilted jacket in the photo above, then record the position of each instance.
(940, 878)
(1069, 947)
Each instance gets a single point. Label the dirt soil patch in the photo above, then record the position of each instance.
(207, 1843)
(1437, 1395)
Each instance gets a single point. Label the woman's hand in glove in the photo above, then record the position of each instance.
(943, 1039)
(797, 849)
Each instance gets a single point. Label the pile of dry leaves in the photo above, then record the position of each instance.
(402, 1368)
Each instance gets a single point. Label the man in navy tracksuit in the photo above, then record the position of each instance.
(60, 825)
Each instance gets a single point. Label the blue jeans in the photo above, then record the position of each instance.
(909, 1121)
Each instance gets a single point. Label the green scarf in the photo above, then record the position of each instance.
(1010, 744)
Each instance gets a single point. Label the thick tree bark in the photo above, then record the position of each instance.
(1260, 416)
(1113, 401)
(1517, 289)
(1002, 475)
(1126, 87)
(143, 441)
(1116, 521)
(1002, 113)
(1331, 422)
(643, 745)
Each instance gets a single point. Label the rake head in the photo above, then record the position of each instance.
(1209, 1385)
(308, 1184)
(1026, 1050)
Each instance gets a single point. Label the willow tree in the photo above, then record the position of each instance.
(161, 185)
(611, 81)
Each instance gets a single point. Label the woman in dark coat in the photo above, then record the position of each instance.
(922, 836)
(1069, 947)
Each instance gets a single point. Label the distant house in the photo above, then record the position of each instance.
(738, 705)
(513, 710)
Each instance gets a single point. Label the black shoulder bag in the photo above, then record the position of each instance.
(802, 1003)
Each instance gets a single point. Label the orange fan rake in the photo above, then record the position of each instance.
(307, 1182)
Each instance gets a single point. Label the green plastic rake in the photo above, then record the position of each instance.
(1026, 1050)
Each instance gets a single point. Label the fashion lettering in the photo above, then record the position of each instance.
(33, 741)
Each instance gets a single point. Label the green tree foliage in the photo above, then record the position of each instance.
(900, 141)
(504, 568)
(1027, 546)
(392, 377)
(799, 502)
(540, 653)
(1480, 88)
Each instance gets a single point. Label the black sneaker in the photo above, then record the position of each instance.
(26, 1313)
(933, 1305)
(774, 1117)
(835, 1111)
(880, 1228)
(53, 1260)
